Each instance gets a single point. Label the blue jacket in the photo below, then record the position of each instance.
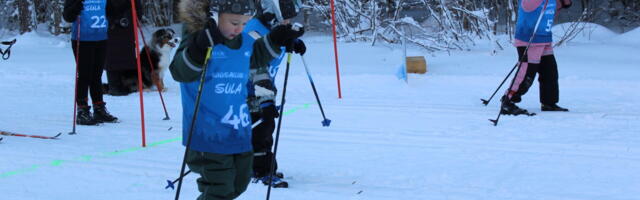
(92, 22)
(527, 22)
(223, 124)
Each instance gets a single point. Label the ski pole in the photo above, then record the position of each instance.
(495, 121)
(166, 114)
(275, 146)
(325, 122)
(170, 184)
(195, 112)
(75, 91)
(486, 102)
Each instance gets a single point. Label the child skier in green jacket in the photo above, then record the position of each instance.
(220, 149)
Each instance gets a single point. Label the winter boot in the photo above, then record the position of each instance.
(553, 107)
(84, 116)
(101, 114)
(275, 182)
(508, 107)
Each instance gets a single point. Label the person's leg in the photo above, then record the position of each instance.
(95, 82)
(548, 80)
(100, 112)
(217, 174)
(243, 163)
(262, 141)
(86, 57)
(549, 89)
(528, 66)
(526, 72)
(84, 69)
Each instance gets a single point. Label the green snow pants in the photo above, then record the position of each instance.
(222, 176)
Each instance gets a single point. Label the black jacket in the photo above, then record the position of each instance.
(121, 54)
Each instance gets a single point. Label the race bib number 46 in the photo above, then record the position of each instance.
(236, 120)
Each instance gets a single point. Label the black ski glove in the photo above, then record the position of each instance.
(269, 111)
(197, 49)
(284, 35)
(72, 9)
(299, 47)
(267, 19)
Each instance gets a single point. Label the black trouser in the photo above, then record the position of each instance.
(114, 80)
(548, 79)
(262, 140)
(90, 65)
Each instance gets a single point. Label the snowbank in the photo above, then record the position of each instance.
(629, 38)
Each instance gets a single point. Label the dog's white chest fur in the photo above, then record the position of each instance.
(165, 56)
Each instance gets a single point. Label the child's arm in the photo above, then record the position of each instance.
(183, 68)
(531, 5)
(563, 4)
(191, 53)
(72, 9)
(266, 49)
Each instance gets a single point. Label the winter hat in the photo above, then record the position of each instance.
(240, 7)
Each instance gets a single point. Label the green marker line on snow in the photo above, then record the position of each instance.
(89, 158)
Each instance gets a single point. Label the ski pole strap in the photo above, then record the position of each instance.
(7, 53)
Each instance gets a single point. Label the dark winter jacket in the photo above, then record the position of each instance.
(223, 91)
(121, 49)
(72, 9)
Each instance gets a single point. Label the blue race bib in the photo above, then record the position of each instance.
(92, 22)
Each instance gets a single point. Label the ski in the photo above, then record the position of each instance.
(31, 136)
(524, 113)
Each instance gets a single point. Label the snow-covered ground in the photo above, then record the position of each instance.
(428, 139)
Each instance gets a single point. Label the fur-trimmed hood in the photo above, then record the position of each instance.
(194, 14)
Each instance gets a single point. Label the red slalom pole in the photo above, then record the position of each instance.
(166, 114)
(335, 47)
(75, 91)
(135, 35)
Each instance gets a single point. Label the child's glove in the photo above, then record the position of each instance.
(197, 49)
(284, 35)
(299, 47)
(267, 19)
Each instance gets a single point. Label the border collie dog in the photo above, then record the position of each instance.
(159, 50)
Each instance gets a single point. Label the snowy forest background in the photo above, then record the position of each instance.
(435, 25)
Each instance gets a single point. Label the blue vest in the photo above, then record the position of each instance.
(527, 23)
(223, 124)
(255, 25)
(93, 22)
